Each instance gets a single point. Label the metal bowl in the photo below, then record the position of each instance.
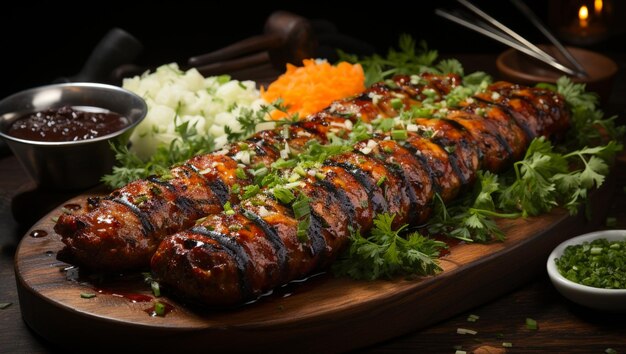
(68, 165)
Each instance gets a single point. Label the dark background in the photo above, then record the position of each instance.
(42, 42)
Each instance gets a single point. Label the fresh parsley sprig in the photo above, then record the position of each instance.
(471, 217)
(131, 167)
(406, 60)
(387, 252)
(545, 179)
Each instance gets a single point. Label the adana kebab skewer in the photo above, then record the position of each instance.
(237, 255)
(122, 230)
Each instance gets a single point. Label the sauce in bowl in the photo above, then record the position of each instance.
(67, 124)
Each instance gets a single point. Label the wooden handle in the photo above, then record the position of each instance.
(287, 38)
(246, 46)
(235, 64)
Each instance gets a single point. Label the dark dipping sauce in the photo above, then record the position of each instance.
(67, 124)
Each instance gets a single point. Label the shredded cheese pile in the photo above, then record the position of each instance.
(314, 86)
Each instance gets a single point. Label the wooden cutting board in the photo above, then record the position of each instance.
(322, 314)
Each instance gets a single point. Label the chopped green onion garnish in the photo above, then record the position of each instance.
(301, 207)
(531, 324)
(507, 344)
(262, 171)
(381, 180)
(228, 210)
(240, 173)
(396, 103)
(320, 175)
(294, 177)
(87, 295)
(385, 124)
(159, 309)
(599, 263)
(299, 170)
(399, 134)
(303, 228)
(450, 148)
(156, 289)
(595, 250)
(280, 164)
(235, 188)
(283, 195)
(250, 191)
(610, 351)
(465, 331)
(472, 318)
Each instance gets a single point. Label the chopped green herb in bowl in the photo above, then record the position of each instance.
(591, 269)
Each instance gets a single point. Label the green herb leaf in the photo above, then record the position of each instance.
(406, 60)
(471, 217)
(385, 253)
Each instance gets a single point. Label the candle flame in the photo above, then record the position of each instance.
(597, 6)
(583, 15)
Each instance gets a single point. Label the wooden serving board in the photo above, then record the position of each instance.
(323, 314)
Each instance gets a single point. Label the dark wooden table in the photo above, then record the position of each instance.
(564, 327)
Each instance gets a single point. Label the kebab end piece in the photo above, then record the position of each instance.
(83, 235)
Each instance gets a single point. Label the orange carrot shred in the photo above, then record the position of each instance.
(314, 86)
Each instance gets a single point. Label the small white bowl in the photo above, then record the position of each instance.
(597, 298)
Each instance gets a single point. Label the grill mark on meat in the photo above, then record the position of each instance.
(273, 237)
(453, 158)
(315, 233)
(166, 184)
(235, 252)
(379, 204)
(217, 186)
(398, 171)
(517, 117)
(185, 204)
(417, 154)
(340, 195)
(146, 226)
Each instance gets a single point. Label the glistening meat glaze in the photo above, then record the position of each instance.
(67, 124)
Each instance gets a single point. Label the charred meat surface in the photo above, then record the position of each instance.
(229, 259)
(123, 230)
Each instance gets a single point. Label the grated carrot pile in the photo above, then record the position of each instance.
(314, 86)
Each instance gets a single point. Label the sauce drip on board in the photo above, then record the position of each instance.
(67, 124)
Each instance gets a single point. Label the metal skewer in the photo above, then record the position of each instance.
(499, 32)
(533, 18)
(505, 40)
